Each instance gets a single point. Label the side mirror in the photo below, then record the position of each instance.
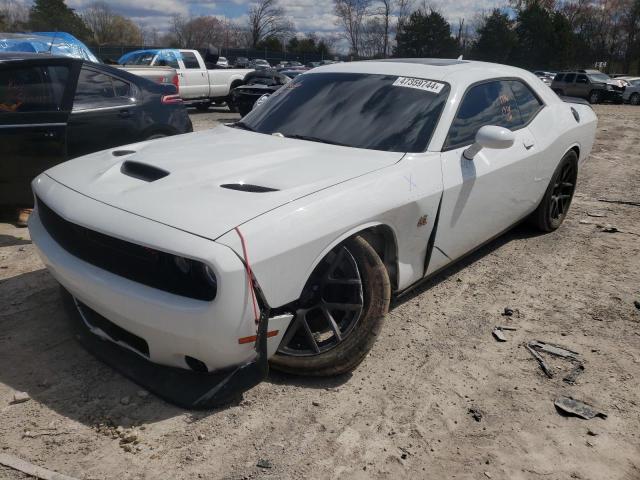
(490, 136)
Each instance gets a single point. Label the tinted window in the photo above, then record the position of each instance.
(190, 60)
(582, 79)
(491, 103)
(569, 77)
(353, 109)
(528, 104)
(559, 77)
(32, 89)
(97, 90)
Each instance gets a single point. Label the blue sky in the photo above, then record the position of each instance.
(308, 15)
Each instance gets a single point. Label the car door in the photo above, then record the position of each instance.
(570, 89)
(105, 113)
(582, 86)
(484, 196)
(193, 76)
(35, 100)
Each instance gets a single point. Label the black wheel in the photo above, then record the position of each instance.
(635, 99)
(556, 201)
(203, 107)
(595, 96)
(339, 314)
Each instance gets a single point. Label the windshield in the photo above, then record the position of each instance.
(599, 77)
(377, 112)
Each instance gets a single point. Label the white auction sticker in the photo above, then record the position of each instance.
(419, 83)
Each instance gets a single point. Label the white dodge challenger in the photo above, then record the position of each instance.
(282, 237)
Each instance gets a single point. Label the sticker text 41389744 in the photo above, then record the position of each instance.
(419, 83)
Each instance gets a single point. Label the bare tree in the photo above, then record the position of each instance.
(110, 28)
(385, 13)
(267, 19)
(351, 15)
(13, 15)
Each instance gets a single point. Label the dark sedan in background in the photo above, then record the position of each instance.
(56, 108)
(256, 84)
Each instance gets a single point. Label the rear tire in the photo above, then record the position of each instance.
(595, 97)
(334, 352)
(557, 199)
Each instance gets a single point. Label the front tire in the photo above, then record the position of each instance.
(595, 97)
(339, 314)
(556, 201)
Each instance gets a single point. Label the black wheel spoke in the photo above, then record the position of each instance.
(294, 327)
(332, 323)
(345, 307)
(310, 336)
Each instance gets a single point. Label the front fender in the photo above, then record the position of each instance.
(286, 244)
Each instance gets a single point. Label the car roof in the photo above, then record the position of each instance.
(15, 56)
(429, 68)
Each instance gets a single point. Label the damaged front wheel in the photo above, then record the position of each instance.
(339, 314)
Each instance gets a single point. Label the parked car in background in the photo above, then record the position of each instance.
(259, 64)
(241, 62)
(222, 62)
(285, 236)
(257, 84)
(546, 77)
(591, 85)
(313, 64)
(55, 108)
(632, 90)
(53, 43)
(200, 82)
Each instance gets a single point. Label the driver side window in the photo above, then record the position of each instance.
(490, 103)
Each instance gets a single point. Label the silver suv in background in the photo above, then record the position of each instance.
(592, 85)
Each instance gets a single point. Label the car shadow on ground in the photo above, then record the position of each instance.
(39, 354)
(12, 241)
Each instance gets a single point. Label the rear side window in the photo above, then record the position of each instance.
(491, 103)
(582, 79)
(190, 60)
(167, 58)
(32, 89)
(528, 104)
(569, 77)
(98, 90)
(559, 77)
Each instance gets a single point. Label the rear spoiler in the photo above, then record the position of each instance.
(580, 101)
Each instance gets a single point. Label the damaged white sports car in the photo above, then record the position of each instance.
(285, 235)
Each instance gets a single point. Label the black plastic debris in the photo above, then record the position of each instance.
(572, 407)
(536, 346)
(637, 304)
(553, 349)
(476, 414)
(264, 463)
(543, 365)
(508, 312)
(498, 332)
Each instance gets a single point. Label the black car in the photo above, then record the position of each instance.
(256, 84)
(56, 108)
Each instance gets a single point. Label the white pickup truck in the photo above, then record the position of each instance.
(199, 82)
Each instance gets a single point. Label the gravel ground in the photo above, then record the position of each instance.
(405, 412)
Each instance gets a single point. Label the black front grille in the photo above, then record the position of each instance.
(117, 333)
(141, 264)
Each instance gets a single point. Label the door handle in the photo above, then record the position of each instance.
(124, 114)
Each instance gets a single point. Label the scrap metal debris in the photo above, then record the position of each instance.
(536, 346)
(30, 469)
(498, 332)
(571, 406)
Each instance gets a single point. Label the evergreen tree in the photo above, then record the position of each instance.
(425, 35)
(496, 38)
(55, 15)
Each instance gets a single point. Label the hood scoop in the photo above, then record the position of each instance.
(247, 187)
(142, 171)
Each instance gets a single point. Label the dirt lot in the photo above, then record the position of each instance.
(404, 413)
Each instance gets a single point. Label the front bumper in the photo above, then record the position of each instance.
(174, 327)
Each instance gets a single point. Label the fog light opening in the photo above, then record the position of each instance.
(195, 364)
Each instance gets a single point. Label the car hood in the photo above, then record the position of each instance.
(190, 197)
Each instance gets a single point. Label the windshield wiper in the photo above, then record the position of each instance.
(315, 139)
(243, 126)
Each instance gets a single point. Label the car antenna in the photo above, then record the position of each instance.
(53, 39)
